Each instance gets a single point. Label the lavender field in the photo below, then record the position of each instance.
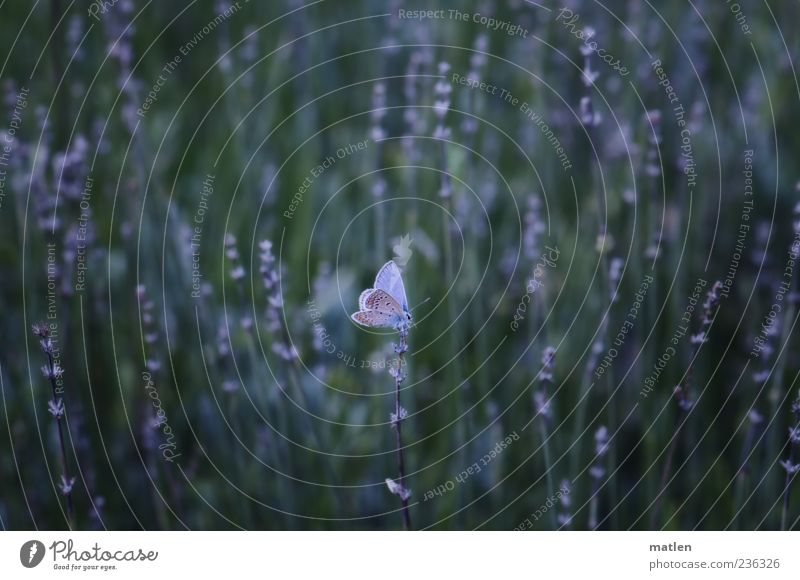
(346, 265)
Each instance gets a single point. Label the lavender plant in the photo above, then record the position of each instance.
(541, 399)
(683, 394)
(591, 119)
(54, 374)
(791, 464)
(397, 370)
(565, 504)
(597, 472)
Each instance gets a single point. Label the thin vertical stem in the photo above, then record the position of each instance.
(787, 324)
(399, 416)
(543, 411)
(62, 123)
(594, 504)
(742, 477)
(442, 92)
(597, 472)
(591, 120)
(551, 486)
(454, 365)
(791, 467)
(787, 489)
(682, 392)
(665, 472)
(66, 480)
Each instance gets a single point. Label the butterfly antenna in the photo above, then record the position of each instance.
(420, 304)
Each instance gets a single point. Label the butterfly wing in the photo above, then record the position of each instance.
(373, 318)
(390, 281)
(383, 302)
(362, 300)
(378, 308)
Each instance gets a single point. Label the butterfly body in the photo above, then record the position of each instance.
(385, 305)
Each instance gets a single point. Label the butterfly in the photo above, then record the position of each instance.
(385, 305)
